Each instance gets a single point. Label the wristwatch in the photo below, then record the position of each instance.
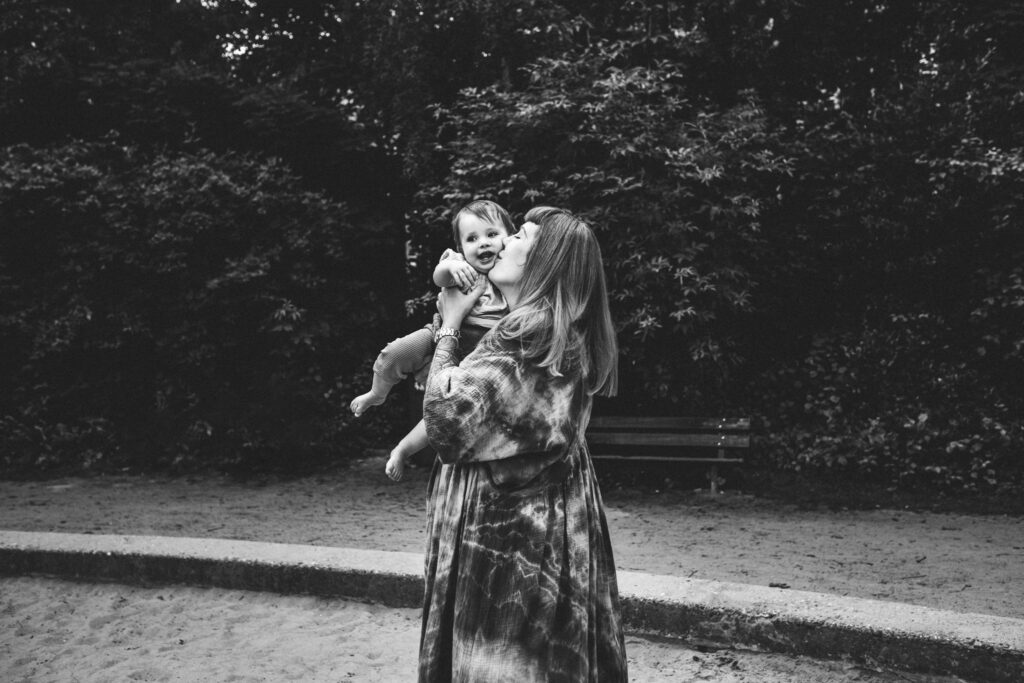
(446, 332)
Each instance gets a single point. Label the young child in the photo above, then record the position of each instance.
(478, 230)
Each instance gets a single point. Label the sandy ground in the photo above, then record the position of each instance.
(59, 631)
(965, 563)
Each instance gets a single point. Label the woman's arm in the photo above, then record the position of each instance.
(493, 406)
(450, 409)
(446, 354)
(458, 405)
(453, 306)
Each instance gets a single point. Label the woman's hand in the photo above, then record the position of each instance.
(454, 304)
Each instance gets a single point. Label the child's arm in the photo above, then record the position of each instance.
(453, 271)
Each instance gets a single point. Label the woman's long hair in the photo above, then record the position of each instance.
(563, 312)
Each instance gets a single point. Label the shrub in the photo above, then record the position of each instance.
(898, 403)
(673, 185)
(175, 308)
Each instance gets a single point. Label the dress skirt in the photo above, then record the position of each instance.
(520, 578)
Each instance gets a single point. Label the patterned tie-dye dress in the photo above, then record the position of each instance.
(520, 580)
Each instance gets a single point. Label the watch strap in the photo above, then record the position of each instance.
(446, 332)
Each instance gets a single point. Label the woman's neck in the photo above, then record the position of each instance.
(511, 295)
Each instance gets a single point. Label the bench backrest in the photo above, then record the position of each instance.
(670, 431)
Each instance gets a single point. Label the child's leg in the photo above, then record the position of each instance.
(412, 443)
(402, 357)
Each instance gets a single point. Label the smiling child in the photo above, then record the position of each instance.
(478, 230)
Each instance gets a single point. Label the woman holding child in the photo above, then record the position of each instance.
(520, 580)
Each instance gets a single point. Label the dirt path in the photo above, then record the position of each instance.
(960, 562)
(57, 631)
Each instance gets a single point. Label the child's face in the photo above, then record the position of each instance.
(480, 241)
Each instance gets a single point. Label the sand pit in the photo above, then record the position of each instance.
(59, 631)
(965, 563)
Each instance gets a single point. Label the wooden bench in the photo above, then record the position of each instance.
(705, 440)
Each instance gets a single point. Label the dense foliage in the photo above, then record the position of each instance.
(156, 308)
(810, 213)
(910, 194)
(190, 262)
(652, 168)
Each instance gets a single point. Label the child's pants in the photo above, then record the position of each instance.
(408, 355)
(411, 354)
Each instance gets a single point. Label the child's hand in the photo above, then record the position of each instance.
(464, 276)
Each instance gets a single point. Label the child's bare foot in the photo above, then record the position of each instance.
(396, 465)
(360, 404)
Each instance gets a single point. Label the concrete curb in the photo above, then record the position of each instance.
(919, 639)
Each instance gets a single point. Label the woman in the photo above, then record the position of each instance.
(520, 580)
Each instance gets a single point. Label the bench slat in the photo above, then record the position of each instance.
(697, 440)
(663, 458)
(672, 423)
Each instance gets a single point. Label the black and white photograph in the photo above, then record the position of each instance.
(512, 341)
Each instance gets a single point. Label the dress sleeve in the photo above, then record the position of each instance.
(490, 407)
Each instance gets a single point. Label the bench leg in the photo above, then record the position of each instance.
(713, 477)
(713, 473)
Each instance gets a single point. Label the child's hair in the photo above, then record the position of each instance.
(485, 210)
(563, 315)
